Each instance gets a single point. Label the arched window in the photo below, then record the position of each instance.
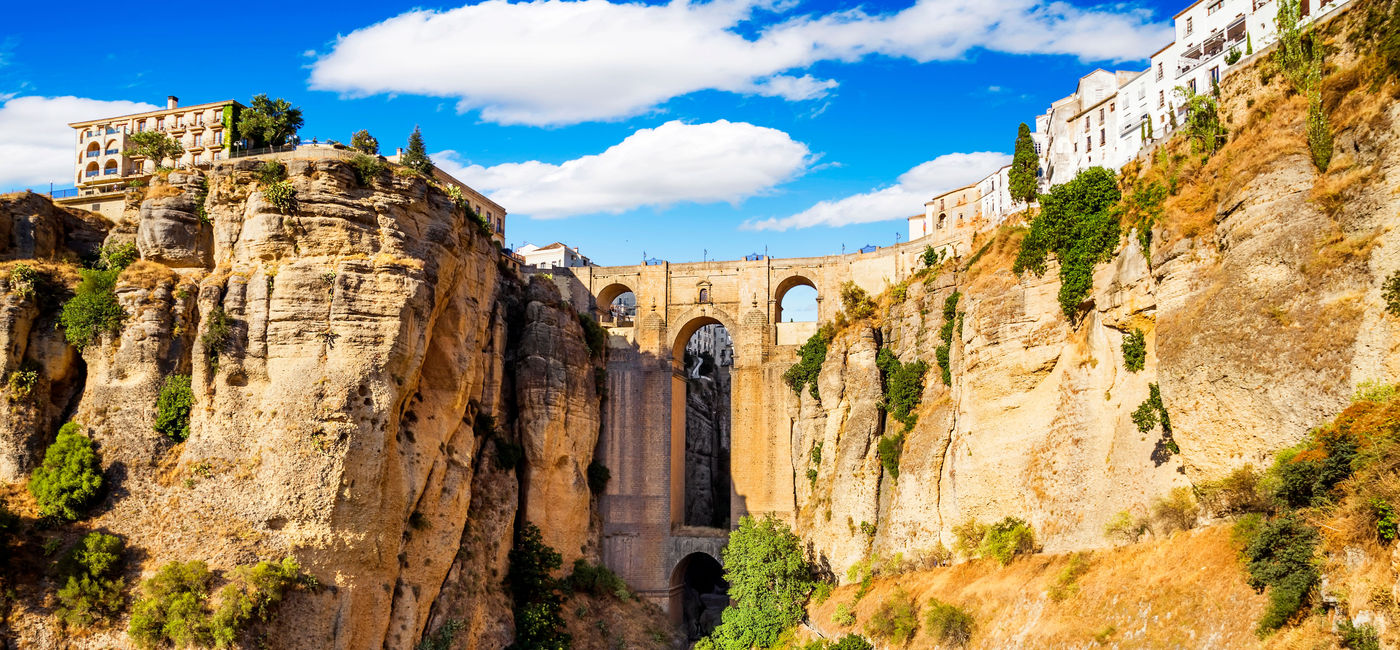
(91, 171)
(617, 306)
(704, 295)
(110, 169)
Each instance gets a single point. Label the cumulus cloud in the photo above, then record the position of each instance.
(903, 199)
(553, 62)
(36, 144)
(676, 162)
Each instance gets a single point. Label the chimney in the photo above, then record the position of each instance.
(171, 101)
(399, 151)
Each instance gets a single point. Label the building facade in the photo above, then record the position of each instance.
(556, 255)
(949, 218)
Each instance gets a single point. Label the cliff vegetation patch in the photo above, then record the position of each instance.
(68, 480)
(1077, 223)
(810, 358)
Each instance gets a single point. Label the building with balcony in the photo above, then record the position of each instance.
(556, 255)
(102, 170)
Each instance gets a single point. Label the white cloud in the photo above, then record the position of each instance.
(36, 144)
(551, 62)
(903, 199)
(676, 162)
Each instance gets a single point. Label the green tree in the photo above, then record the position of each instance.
(93, 310)
(93, 591)
(363, 141)
(173, 407)
(1024, 164)
(172, 607)
(769, 582)
(1078, 223)
(154, 146)
(538, 622)
(70, 476)
(415, 157)
(1203, 127)
(269, 122)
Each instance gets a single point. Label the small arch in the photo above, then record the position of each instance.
(91, 170)
(942, 216)
(807, 302)
(109, 168)
(112, 145)
(699, 594)
(617, 305)
(704, 295)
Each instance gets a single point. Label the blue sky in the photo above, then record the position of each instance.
(682, 130)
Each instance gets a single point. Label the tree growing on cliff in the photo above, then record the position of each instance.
(769, 582)
(1024, 164)
(269, 122)
(70, 476)
(155, 146)
(364, 142)
(538, 622)
(415, 156)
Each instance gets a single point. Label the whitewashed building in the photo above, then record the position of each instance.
(554, 255)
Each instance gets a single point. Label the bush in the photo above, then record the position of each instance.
(889, 449)
(1124, 526)
(93, 310)
(1374, 391)
(931, 257)
(896, 619)
(173, 407)
(822, 592)
(1390, 290)
(1244, 530)
(1233, 56)
(535, 594)
(594, 335)
(281, 195)
(851, 642)
(904, 386)
(1203, 128)
(598, 580)
(23, 280)
(1305, 475)
(1358, 637)
(1066, 582)
(218, 332)
(1386, 522)
(1176, 511)
(117, 256)
(844, 615)
(856, 302)
(93, 588)
(444, 636)
(255, 594)
(1237, 493)
(21, 383)
(171, 608)
(967, 537)
(367, 168)
(943, 354)
(70, 476)
(769, 582)
(598, 477)
(1280, 557)
(809, 362)
(1134, 350)
(1006, 539)
(1077, 223)
(270, 172)
(948, 623)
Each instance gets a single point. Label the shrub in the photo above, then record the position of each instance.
(896, 619)
(270, 172)
(1006, 539)
(1066, 582)
(1374, 391)
(1233, 56)
(594, 335)
(1176, 511)
(444, 636)
(1203, 128)
(23, 280)
(21, 383)
(889, 449)
(218, 331)
(1076, 223)
(844, 615)
(1390, 292)
(171, 608)
(769, 582)
(1236, 493)
(173, 407)
(1280, 557)
(93, 310)
(598, 580)
(1124, 526)
(598, 476)
(812, 476)
(535, 594)
(851, 642)
(948, 623)
(1134, 350)
(1244, 530)
(931, 257)
(1386, 522)
(856, 302)
(70, 476)
(1305, 475)
(367, 168)
(903, 384)
(1358, 637)
(822, 592)
(817, 454)
(363, 142)
(809, 362)
(943, 354)
(281, 195)
(967, 537)
(93, 588)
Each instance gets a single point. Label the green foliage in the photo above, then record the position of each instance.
(363, 142)
(444, 636)
(851, 642)
(508, 454)
(171, 608)
(1125, 527)
(1245, 528)
(598, 476)
(70, 476)
(173, 407)
(844, 615)
(1280, 557)
(598, 580)
(889, 449)
(1021, 181)
(367, 168)
(269, 122)
(1248, 44)
(200, 199)
(254, 594)
(1134, 350)
(415, 156)
(218, 332)
(967, 537)
(896, 618)
(270, 172)
(948, 623)
(1386, 522)
(1358, 637)
(932, 257)
(943, 354)
(1151, 412)
(535, 593)
(93, 310)
(903, 384)
(281, 195)
(1374, 391)
(809, 361)
(1379, 32)
(1236, 493)
(1078, 224)
(1203, 128)
(21, 383)
(817, 454)
(23, 280)
(594, 335)
(1066, 583)
(1176, 511)
(1305, 475)
(155, 146)
(1006, 539)
(1233, 56)
(822, 592)
(1319, 129)
(118, 255)
(92, 591)
(769, 582)
(812, 476)
(856, 302)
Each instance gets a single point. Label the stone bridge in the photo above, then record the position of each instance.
(643, 438)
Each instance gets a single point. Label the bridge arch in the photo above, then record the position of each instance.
(605, 298)
(699, 593)
(694, 320)
(787, 284)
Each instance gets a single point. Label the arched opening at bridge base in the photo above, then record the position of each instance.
(699, 595)
(700, 427)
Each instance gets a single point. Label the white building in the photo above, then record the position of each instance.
(552, 256)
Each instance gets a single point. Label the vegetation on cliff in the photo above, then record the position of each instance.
(535, 593)
(68, 480)
(1078, 224)
(769, 582)
(810, 357)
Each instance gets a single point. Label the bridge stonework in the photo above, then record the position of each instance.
(643, 435)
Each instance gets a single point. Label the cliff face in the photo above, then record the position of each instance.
(375, 356)
(1261, 308)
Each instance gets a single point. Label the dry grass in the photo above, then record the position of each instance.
(992, 272)
(1337, 250)
(63, 273)
(147, 275)
(605, 622)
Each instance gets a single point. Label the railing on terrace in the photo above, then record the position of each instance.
(93, 154)
(113, 152)
(260, 151)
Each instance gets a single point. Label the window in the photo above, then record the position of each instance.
(1191, 85)
(198, 139)
(1100, 115)
(1086, 123)
(1110, 107)
(1159, 71)
(704, 295)
(217, 156)
(1214, 7)
(199, 119)
(141, 126)
(1103, 139)
(1188, 25)
(218, 137)
(1161, 99)
(1037, 148)
(160, 123)
(1088, 144)
(1215, 74)
(1076, 147)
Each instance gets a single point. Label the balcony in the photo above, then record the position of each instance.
(94, 153)
(111, 131)
(112, 152)
(1214, 45)
(90, 174)
(110, 172)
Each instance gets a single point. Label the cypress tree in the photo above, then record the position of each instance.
(1022, 181)
(415, 157)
